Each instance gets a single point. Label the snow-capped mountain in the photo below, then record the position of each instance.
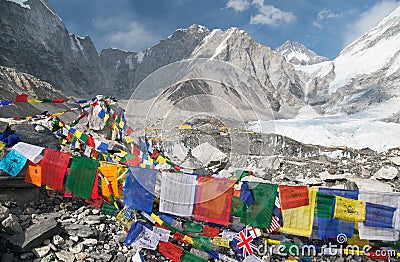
(297, 54)
(35, 40)
(366, 72)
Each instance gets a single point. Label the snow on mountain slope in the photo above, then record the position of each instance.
(368, 128)
(374, 51)
(297, 54)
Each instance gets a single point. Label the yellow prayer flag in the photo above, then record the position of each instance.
(350, 209)
(188, 239)
(220, 241)
(121, 218)
(121, 124)
(128, 139)
(78, 133)
(32, 100)
(157, 219)
(110, 172)
(2, 145)
(106, 117)
(299, 221)
(161, 159)
(123, 153)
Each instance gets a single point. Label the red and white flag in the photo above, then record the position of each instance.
(274, 225)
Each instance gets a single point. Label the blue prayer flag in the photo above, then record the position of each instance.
(139, 188)
(379, 215)
(13, 163)
(246, 195)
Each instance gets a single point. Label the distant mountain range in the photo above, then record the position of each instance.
(34, 40)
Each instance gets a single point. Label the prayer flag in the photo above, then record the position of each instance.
(390, 199)
(110, 172)
(214, 200)
(170, 251)
(177, 193)
(349, 209)
(139, 188)
(34, 174)
(293, 196)
(299, 221)
(259, 214)
(81, 176)
(29, 151)
(54, 167)
(379, 215)
(13, 163)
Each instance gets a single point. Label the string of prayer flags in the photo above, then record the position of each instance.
(331, 227)
(177, 194)
(34, 174)
(214, 200)
(293, 196)
(111, 174)
(259, 214)
(13, 163)
(54, 167)
(379, 215)
(299, 221)
(349, 209)
(139, 188)
(170, 251)
(81, 176)
(380, 233)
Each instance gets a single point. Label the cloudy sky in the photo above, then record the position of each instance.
(323, 26)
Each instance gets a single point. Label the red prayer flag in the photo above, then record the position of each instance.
(210, 231)
(95, 190)
(54, 166)
(293, 196)
(214, 200)
(21, 98)
(90, 142)
(170, 251)
(58, 100)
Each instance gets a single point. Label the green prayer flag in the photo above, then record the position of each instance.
(81, 176)
(241, 174)
(259, 214)
(192, 227)
(84, 138)
(236, 210)
(109, 209)
(189, 257)
(202, 242)
(324, 208)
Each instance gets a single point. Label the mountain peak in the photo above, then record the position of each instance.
(296, 53)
